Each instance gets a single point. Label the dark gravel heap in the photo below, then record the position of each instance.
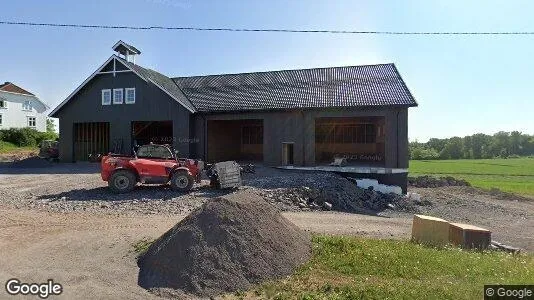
(226, 245)
(433, 182)
(310, 191)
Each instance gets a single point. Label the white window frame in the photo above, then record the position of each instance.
(1, 119)
(126, 95)
(118, 101)
(28, 107)
(104, 102)
(34, 121)
(5, 103)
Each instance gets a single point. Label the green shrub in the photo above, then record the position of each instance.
(43, 136)
(420, 153)
(25, 137)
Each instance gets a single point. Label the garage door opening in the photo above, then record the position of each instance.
(146, 132)
(90, 138)
(360, 140)
(240, 140)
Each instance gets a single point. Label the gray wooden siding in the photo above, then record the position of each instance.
(151, 104)
(298, 127)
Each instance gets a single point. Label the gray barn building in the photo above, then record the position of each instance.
(291, 117)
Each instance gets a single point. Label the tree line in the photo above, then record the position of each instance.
(499, 145)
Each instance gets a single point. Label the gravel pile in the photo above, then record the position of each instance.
(325, 191)
(433, 182)
(228, 244)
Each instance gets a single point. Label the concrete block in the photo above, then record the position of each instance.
(469, 236)
(430, 230)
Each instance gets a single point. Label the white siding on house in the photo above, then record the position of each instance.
(14, 114)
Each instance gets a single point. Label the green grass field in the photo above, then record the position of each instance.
(515, 175)
(358, 268)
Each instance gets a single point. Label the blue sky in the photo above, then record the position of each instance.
(464, 85)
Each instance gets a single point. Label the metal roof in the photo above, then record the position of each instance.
(163, 82)
(353, 86)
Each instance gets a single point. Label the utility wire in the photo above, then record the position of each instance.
(89, 26)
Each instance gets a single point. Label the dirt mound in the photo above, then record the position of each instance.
(226, 245)
(433, 182)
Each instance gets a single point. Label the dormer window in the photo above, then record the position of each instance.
(118, 96)
(27, 105)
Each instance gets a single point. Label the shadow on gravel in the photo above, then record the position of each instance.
(141, 192)
(36, 166)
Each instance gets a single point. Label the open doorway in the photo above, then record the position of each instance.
(90, 138)
(157, 132)
(240, 140)
(360, 140)
(288, 154)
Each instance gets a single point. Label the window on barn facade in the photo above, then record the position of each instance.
(118, 96)
(130, 96)
(106, 97)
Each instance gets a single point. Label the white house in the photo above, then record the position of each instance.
(20, 108)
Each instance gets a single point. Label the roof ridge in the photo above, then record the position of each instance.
(284, 70)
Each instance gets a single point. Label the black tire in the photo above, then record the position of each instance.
(182, 181)
(122, 181)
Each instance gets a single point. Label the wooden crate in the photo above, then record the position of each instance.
(469, 236)
(430, 230)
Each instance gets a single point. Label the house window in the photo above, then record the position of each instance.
(106, 97)
(3, 103)
(118, 96)
(252, 135)
(1, 120)
(130, 96)
(31, 121)
(27, 105)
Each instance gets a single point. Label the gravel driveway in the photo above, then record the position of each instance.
(62, 223)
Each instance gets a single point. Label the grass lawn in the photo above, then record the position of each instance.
(515, 175)
(7, 150)
(358, 268)
(6, 147)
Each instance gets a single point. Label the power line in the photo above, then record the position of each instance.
(90, 26)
